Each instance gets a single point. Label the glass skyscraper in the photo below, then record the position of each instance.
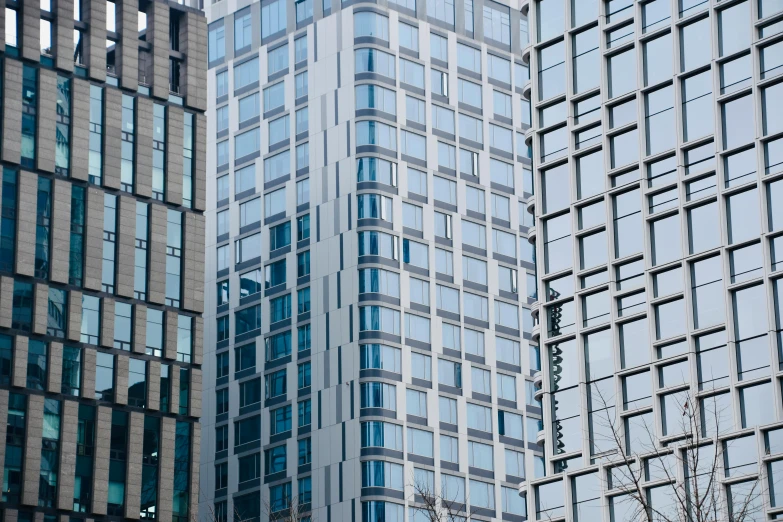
(657, 149)
(101, 259)
(369, 273)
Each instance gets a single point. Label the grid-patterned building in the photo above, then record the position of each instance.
(657, 149)
(367, 323)
(101, 259)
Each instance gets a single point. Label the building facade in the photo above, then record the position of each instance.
(367, 322)
(101, 259)
(657, 150)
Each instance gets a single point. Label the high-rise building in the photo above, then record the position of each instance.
(101, 259)
(659, 205)
(367, 324)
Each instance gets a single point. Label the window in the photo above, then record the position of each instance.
(441, 10)
(277, 166)
(217, 42)
(551, 71)
(273, 18)
(738, 126)
(300, 49)
(369, 24)
(274, 96)
(742, 216)
(373, 60)
(242, 31)
(469, 93)
(300, 85)
(586, 60)
(408, 36)
(499, 68)
(619, 64)
(439, 49)
(376, 97)
(658, 59)
(659, 120)
(245, 74)
(304, 10)
(413, 145)
(417, 328)
(376, 133)
(697, 106)
(497, 24)
(501, 105)
(551, 19)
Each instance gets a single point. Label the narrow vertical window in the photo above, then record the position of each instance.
(62, 158)
(96, 135)
(109, 242)
(42, 228)
(76, 257)
(173, 257)
(127, 174)
(50, 442)
(158, 151)
(140, 256)
(29, 110)
(187, 161)
(8, 221)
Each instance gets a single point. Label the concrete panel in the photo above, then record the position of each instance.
(156, 291)
(93, 239)
(74, 315)
(193, 263)
(80, 129)
(88, 373)
(29, 34)
(40, 308)
(6, 301)
(32, 459)
(153, 385)
(26, 223)
(12, 111)
(94, 13)
(127, 54)
(107, 322)
(139, 328)
(158, 36)
(121, 379)
(134, 466)
(126, 246)
(112, 137)
(3, 425)
(61, 231)
(195, 392)
(63, 56)
(19, 373)
(143, 150)
(168, 430)
(193, 44)
(170, 336)
(54, 383)
(100, 482)
(46, 138)
(174, 158)
(69, 426)
(200, 164)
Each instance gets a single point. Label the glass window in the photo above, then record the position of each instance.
(692, 51)
(273, 18)
(738, 126)
(619, 81)
(551, 71)
(734, 26)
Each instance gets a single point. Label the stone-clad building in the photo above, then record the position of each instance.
(103, 190)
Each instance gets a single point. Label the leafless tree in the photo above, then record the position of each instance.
(432, 505)
(683, 480)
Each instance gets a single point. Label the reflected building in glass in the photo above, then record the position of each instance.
(657, 149)
(101, 259)
(369, 272)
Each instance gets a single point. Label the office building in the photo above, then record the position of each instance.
(367, 321)
(657, 150)
(101, 259)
